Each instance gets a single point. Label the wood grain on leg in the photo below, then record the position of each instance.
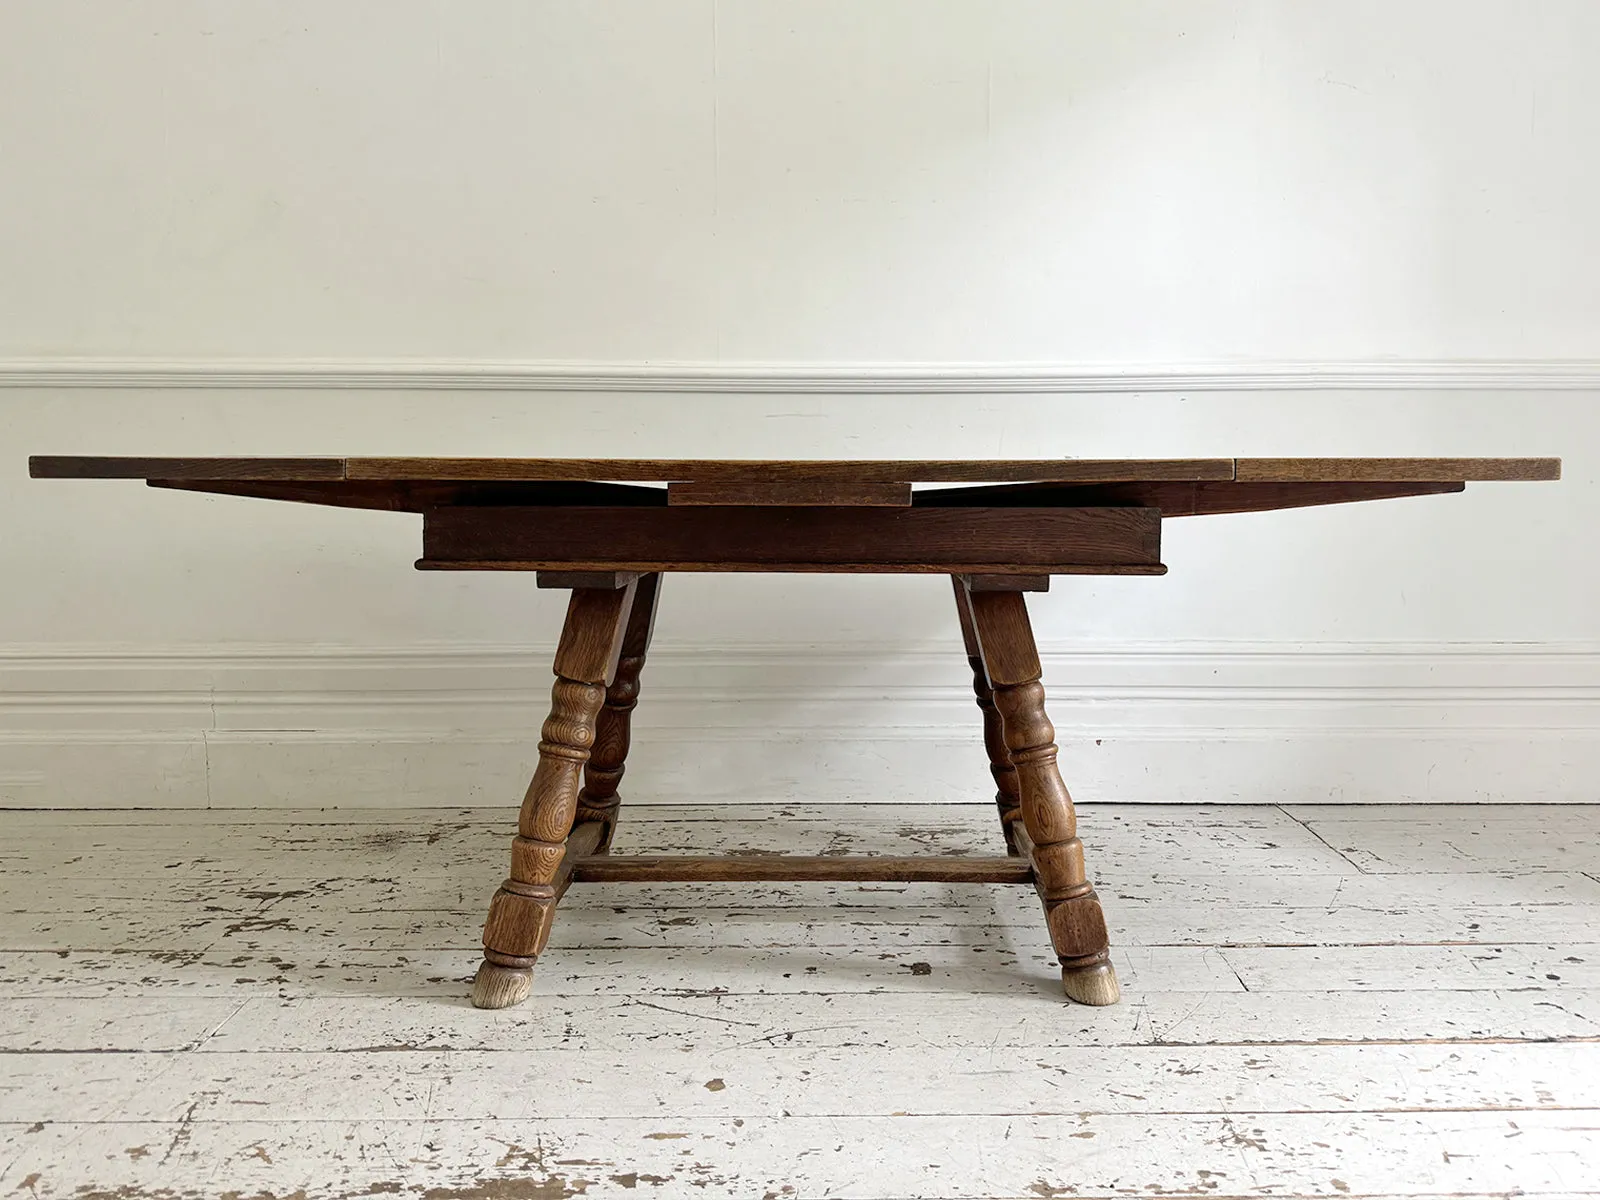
(522, 910)
(598, 801)
(1049, 827)
(1007, 798)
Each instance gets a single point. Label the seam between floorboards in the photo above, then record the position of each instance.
(1360, 870)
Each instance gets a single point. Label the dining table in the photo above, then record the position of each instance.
(607, 530)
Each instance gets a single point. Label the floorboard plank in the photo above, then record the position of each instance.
(118, 1024)
(1013, 920)
(246, 888)
(222, 971)
(1006, 922)
(991, 1157)
(1416, 968)
(1456, 846)
(767, 1081)
(334, 1021)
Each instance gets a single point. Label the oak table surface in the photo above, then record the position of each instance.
(606, 531)
(1045, 470)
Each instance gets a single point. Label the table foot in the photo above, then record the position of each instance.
(1096, 985)
(501, 987)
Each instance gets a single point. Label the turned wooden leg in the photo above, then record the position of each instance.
(1006, 798)
(1049, 829)
(598, 801)
(547, 841)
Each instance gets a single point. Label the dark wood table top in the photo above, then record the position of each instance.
(762, 471)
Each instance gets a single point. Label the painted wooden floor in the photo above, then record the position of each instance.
(1317, 1002)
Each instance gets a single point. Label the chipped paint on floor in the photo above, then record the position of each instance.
(1329, 1002)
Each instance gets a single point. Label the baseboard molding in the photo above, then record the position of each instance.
(401, 374)
(299, 726)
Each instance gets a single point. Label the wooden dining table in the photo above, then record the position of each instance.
(607, 530)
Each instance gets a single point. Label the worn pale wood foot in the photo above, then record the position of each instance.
(495, 986)
(1095, 984)
(1007, 798)
(547, 842)
(1048, 832)
(598, 801)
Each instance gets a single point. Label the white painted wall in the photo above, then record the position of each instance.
(819, 179)
(828, 185)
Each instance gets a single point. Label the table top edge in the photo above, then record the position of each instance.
(973, 471)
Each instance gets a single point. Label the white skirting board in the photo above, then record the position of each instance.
(234, 726)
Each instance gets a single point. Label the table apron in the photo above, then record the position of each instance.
(1098, 540)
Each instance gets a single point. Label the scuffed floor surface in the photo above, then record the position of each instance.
(1317, 1002)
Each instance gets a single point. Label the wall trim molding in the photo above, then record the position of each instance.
(1202, 722)
(406, 374)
